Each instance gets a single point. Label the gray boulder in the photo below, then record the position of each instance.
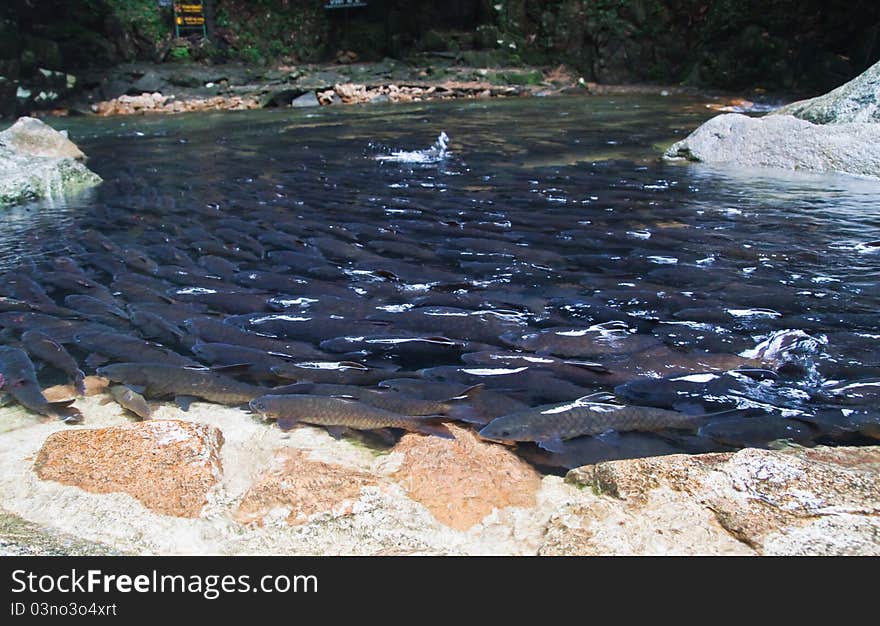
(785, 142)
(855, 101)
(308, 99)
(37, 161)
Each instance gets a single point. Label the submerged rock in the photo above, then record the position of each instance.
(783, 142)
(461, 481)
(855, 101)
(37, 161)
(168, 465)
(303, 490)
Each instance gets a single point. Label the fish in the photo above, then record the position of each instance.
(211, 330)
(97, 310)
(392, 401)
(225, 301)
(20, 381)
(335, 372)
(758, 431)
(548, 425)
(288, 410)
(43, 347)
(154, 326)
(125, 348)
(160, 380)
(131, 400)
(138, 261)
(599, 339)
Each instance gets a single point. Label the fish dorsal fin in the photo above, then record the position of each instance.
(598, 397)
(587, 365)
(469, 393)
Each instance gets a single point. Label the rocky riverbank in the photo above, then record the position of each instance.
(166, 88)
(232, 484)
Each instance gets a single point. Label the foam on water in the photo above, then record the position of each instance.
(435, 154)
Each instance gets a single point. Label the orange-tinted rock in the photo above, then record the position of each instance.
(94, 385)
(168, 465)
(461, 481)
(305, 488)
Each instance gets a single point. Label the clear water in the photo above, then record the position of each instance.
(547, 213)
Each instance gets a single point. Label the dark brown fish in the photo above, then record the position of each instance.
(550, 424)
(328, 411)
(158, 380)
(20, 381)
(389, 400)
(125, 348)
(43, 347)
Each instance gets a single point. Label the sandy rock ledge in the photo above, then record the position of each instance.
(217, 480)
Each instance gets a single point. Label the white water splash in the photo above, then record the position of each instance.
(436, 153)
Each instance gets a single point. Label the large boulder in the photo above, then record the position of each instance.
(837, 132)
(783, 142)
(855, 101)
(37, 161)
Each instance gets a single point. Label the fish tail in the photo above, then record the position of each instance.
(79, 382)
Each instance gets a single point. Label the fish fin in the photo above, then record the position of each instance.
(79, 382)
(184, 402)
(95, 359)
(468, 394)
(337, 432)
(293, 388)
(756, 373)
(610, 437)
(71, 415)
(689, 408)
(587, 365)
(551, 445)
(599, 396)
(431, 426)
(286, 423)
(353, 365)
(137, 388)
(386, 435)
(235, 368)
(66, 412)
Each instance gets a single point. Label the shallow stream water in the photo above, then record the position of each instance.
(547, 222)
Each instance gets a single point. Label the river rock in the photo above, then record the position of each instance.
(38, 161)
(855, 101)
(820, 501)
(461, 481)
(308, 99)
(783, 142)
(168, 465)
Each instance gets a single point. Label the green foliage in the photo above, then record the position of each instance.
(258, 31)
(179, 53)
(144, 16)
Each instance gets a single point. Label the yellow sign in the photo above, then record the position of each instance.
(188, 8)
